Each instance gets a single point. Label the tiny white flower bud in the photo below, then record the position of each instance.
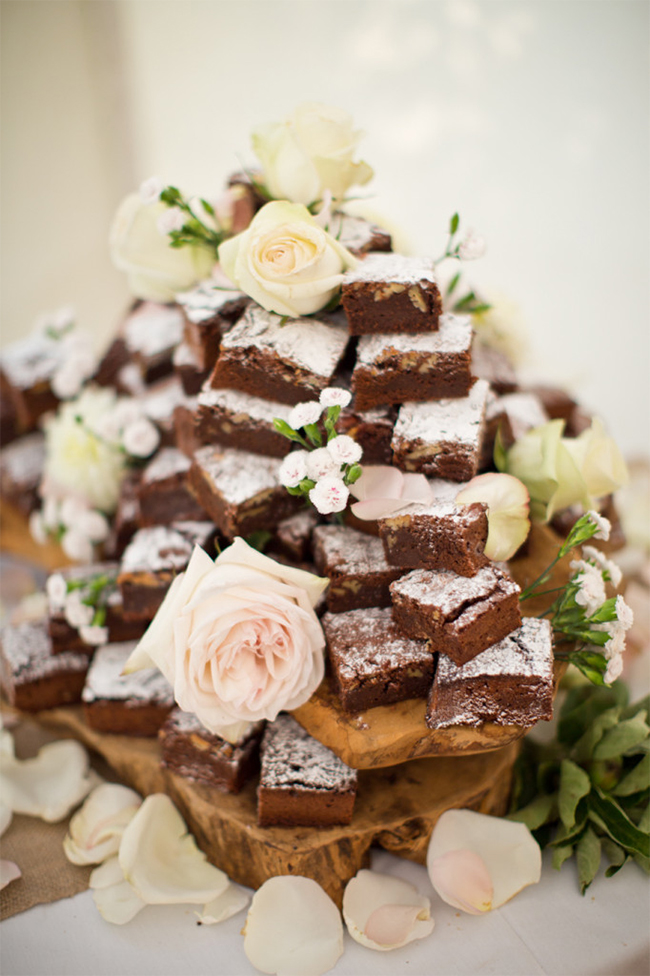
(94, 525)
(70, 511)
(603, 525)
(305, 413)
(51, 512)
(473, 246)
(67, 381)
(151, 189)
(77, 613)
(37, 528)
(94, 635)
(77, 546)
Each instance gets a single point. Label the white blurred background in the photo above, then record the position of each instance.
(529, 117)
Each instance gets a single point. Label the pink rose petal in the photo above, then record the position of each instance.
(391, 924)
(8, 872)
(462, 879)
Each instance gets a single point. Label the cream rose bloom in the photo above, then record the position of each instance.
(285, 261)
(310, 153)
(237, 638)
(155, 270)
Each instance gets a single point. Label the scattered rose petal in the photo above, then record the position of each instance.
(293, 928)
(6, 816)
(382, 490)
(116, 900)
(8, 872)
(234, 899)
(96, 829)
(161, 861)
(51, 784)
(510, 855)
(382, 912)
(508, 503)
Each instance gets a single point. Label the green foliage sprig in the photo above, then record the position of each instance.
(194, 230)
(464, 248)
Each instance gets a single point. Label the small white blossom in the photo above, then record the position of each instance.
(329, 495)
(56, 323)
(51, 512)
(472, 246)
(597, 557)
(67, 381)
(602, 524)
(94, 525)
(293, 469)
(305, 413)
(614, 669)
(77, 613)
(77, 546)
(94, 635)
(624, 613)
(127, 411)
(140, 438)
(321, 464)
(37, 528)
(335, 396)
(344, 449)
(71, 509)
(616, 644)
(591, 593)
(170, 220)
(151, 189)
(57, 590)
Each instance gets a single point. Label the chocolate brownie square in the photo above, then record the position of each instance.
(441, 535)
(32, 677)
(26, 371)
(510, 683)
(151, 333)
(209, 310)
(428, 366)
(442, 438)
(188, 368)
(124, 704)
(358, 235)
(373, 662)
(164, 493)
(241, 420)
(278, 358)
(185, 433)
(21, 469)
(494, 366)
(514, 414)
(356, 567)
(241, 492)
(302, 782)
(460, 615)
(391, 293)
(372, 429)
(292, 537)
(192, 751)
(159, 402)
(151, 561)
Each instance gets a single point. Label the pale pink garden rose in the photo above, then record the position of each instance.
(382, 490)
(237, 638)
(508, 506)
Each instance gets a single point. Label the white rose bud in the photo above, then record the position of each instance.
(320, 464)
(335, 396)
(329, 495)
(293, 469)
(305, 413)
(345, 450)
(141, 438)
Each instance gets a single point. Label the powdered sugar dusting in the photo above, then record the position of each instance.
(152, 329)
(168, 462)
(32, 360)
(241, 406)
(105, 680)
(450, 593)
(355, 233)
(454, 335)
(337, 547)
(380, 266)
(27, 649)
(525, 653)
(209, 298)
(367, 642)
(292, 759)
(22, 462)
(238, 475)
(162, 548)
(442, 421)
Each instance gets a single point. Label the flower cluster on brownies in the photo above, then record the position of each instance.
(89, 445)
(83, 602)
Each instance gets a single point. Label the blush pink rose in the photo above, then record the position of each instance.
(382, 490)
(237, 638)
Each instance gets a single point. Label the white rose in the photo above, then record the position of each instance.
(155, 270)
(310, 153)
(285, 261)
(237, 638)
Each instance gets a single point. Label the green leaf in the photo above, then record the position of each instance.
(588, 858)
(607, 814)
(561, 854)
(582, 705)
(259, 539)
(313, 434)
(641, 706)
(565, 835)
(613, 852)
(452, 284)
(574, 784)
(542, 809)
(622, 737)
(584, 747)
(99, 617)
(644, 821)
(208, 207)
(480, 307)
(500, 454)
(283, 427)
(453, 224)
(353, 474)
(636, 780)
(643, 862)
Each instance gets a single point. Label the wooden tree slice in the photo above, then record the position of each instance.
(396, 808)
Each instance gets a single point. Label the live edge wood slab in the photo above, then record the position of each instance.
(396, 808)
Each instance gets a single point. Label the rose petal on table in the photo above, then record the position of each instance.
(96, 829)
(161, 861)
(462, 879)
(51, 784)
(228, 903)
(383, 912)
(293, 928)
(8, 872)
(511, 856)
(6, 815)
(116, 900)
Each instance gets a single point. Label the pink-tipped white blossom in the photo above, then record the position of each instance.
(56, 589)
(51, 511)
(624, 613)
(151, 189)
(171, 220)
(603, 525)
(472, 246)
(70, 510)
(140, 438)
(93, 635)
(293, 469)
(344, 449)
(591, 587)
(335, 396)
(321, 464)
(305, 413)
(329, 495)
(69, 378)
(614, 669)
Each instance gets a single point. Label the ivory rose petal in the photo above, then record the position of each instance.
(383, 489)
(114, 897)
(96, 829)
(383, 912)
(231, 901)
(461, 840)
(508, 502)
(237, 638)
(9, 871)
(293, 928)
(49, 785)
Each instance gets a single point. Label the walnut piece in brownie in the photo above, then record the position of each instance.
(391, 293)
(192, 751)
(242, 421)
(240, 491)
(32, 677)
(441, 535)
(302, 782)
(442, 438)
(429, 366)
(460, 615)
(151, 561)
(510, 683)
(124, 704)
(373, 662)
(276, 358)
(21, 469)
(164, 493)
(356, 567)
